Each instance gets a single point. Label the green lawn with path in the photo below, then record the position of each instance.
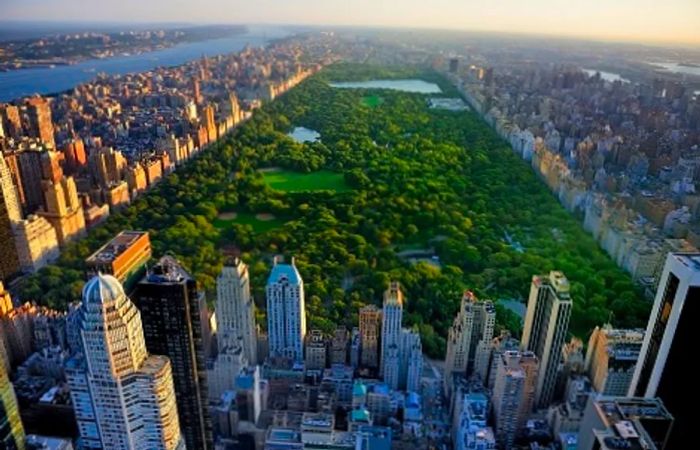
(259, 222)
(372, 101)
(289, 181)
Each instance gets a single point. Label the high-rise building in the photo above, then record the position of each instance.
(513, 393)
(339, 346)
(613, 423)
(11, 429)
(171, 306)
(37, 243)
(123, 398)
(611, 359)
(370, 322)
(235, 310)
(392, 315)
(500, 345)
(663, 369)
(316, 351)
(546, 327)
(63, 209)
(10, 214)
(76, 158)
(286, 313)
(124, 257)
(411, 361)
(12, 123)
(469, 339)
(107, 166)
(40, 123)
(31, 177)
(51, 169)
(469, 424)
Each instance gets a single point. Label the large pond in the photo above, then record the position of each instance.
(301, 135)
(414, 86)
(607, 76)
(680, 68)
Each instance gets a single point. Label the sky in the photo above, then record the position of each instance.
(653, 21)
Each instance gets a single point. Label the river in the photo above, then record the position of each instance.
(24, 82)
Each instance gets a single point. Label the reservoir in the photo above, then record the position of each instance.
(607, 76)
(301, 135)
(25, 82)
(414, 86)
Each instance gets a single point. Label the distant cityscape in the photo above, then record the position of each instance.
(141, 361)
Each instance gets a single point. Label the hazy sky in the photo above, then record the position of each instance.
(644, 20)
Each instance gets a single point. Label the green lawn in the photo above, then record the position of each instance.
(288, 181)
(245, 218)
(372, 101)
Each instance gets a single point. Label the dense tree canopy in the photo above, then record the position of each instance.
(421, 178)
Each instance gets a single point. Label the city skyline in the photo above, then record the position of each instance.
(626, 20)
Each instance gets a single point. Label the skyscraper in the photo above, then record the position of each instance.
(11, 429)
(469, 339)
(123, 398)
(63, 209)
(40, 123)
(286, 313)
(663, 370)
(611, 359)
(411, 361)
(392, 315)
(546, 327)
(10, 214)
(370, 322)
(513, 393)
(171, 305)
(235, 310)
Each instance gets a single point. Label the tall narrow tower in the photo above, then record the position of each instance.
(286, 313)
(11, 429)
(663, 369)
(235, 310)
(392, 315)
(546, 327)
(123, 398)
(10, 215)
(171, 307)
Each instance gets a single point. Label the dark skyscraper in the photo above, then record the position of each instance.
(664, 369)
(170, 307)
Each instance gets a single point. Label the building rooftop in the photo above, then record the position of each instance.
(167, 271)
(281, 272)
(118, 245)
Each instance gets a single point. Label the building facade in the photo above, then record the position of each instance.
(545, 329)
(123, 398)
(37, 243)
(11, 429)
(611, 359)
(370, 325)
(392, 317)
(286, 313)
(171, 306)
(663, 369)
(235, 310)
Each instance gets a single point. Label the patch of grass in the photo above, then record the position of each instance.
(246, 218)
(372, 101)
(322, 180)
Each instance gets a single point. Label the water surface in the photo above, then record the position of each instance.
(413, 85)
(25, 82)
(301, 135)
(607, 76)
(679, 68)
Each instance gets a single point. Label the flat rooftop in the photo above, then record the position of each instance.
(118, 245)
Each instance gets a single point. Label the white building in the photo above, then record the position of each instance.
(469, 339)
(235, 310)
(392, 315)
(123, 398)
(286, 313)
